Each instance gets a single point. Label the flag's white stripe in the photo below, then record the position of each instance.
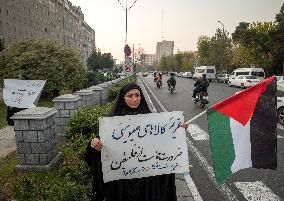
(255, 191)
(242, 145)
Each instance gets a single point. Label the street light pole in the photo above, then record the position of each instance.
(126, 16)
(222, 43)
(222, 25)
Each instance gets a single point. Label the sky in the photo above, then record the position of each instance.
(181, 21)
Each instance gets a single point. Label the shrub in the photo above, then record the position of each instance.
(70, 181)
(61, 66)
(86, 122)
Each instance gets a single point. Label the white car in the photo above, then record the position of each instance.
(243, 81)
(280, 109)
(187, 74)
(223, 78)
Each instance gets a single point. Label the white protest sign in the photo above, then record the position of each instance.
(143, 145)
(21, 93)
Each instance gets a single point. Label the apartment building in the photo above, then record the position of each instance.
(58, 20)
(164, 48)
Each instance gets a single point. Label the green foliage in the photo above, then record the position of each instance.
(182, 61)
(98, 61)
(277, 43)
(70, 181)
(61, 66)
(3, 113)
(86, 122)
(1, 44)
(205, 56)
(6, 169)
(113, 92)
(216, 50)
(253, 44)
(95, 78)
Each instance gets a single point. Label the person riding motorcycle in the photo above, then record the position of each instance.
(171, 81)
(158, 79)
(200, 85)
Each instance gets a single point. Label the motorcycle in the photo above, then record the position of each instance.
(159, 83)
(172, 88)
(201, 97)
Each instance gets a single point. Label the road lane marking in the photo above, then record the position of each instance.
(202, 161)
(155, 97)
(148, 97)
(194, 192)
(255, 191)
(197, 133)
(280, 127)
(209, 170)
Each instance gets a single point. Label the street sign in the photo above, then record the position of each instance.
(128, 66)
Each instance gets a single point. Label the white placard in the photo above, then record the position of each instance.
(22, 93)
(143, 145)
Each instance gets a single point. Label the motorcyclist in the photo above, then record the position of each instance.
(155, 76)
(158, 78)
(171, 81)
(200, 85)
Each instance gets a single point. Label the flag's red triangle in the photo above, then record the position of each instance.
(241, 106)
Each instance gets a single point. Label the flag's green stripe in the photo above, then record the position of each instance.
(222, 148)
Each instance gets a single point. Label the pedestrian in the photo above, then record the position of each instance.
(130, 101)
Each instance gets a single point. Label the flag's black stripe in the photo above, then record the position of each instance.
(264, 130)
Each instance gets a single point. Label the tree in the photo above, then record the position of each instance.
(1, 44)
(188, 60)
(60, 66)
(277, 43)
(215, 50)
(98, 61)
(204, 51)
(254, 44)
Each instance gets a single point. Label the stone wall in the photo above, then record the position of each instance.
(36, 139)
(37, 129)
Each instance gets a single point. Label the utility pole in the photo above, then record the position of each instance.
(126, 16)
(222, 25)
(222, 44)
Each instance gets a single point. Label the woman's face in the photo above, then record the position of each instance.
(132, 98)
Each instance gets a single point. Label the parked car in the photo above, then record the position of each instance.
(257, 72)
(223, 78)
(187, 75)
(279, 78)
(243, 81)
(210, 72)
(280, 109)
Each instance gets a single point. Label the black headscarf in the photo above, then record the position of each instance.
(120, 108)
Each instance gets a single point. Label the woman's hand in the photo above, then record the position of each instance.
(96, 144)
(184, 125)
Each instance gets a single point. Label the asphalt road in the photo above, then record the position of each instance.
(248, 184)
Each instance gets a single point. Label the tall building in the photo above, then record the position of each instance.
(58, 20)
(149, 59)
(164, 48)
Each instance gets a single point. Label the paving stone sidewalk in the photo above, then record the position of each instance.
(7, 141)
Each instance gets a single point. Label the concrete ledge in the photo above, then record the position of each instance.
(40, 168)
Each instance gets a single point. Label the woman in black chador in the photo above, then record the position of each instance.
(130, 101)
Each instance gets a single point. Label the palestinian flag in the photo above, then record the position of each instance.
(242, 130)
